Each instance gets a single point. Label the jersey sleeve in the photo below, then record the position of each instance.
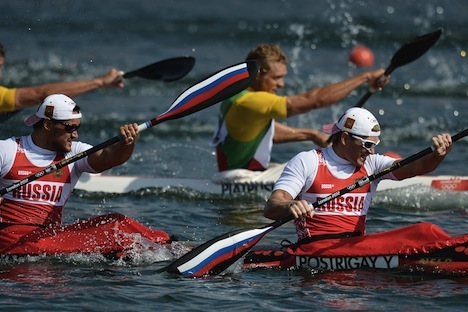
(82, 164)
(299, 174)
(264, 104)
(252, 113)
(378, 163)
(7, 99)
(7, 155)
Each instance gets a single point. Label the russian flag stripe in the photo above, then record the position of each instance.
(221, 250)
(221, 256)
(206, 89)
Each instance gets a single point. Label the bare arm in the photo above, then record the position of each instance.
(332, 93)
(281, 204)
(442, 146)
(284, 133)
(118, 153)
(31, 96)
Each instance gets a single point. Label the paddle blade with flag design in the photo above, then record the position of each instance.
(211, 90)
(218, 254)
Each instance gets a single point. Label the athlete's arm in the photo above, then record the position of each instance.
(31, 96)
(118, 153)
(333, 93)
(281, 204)
(442, 144)
(284, 134)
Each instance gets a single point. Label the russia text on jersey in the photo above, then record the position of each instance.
(44, 192)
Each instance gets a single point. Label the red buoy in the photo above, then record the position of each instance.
(361, 56)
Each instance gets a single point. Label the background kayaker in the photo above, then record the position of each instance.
(247, 128)
(315, 174)
(31, 215)
(13, 99)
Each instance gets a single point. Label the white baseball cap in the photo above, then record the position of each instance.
(55, 106)
(356, 120)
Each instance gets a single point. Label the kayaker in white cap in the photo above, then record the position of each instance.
(31, 215)
(315, 174)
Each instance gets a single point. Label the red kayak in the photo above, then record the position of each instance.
(422, 246)
(112, 235)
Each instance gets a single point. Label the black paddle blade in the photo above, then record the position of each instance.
(413, 50)
(167, 70)
(406, 54)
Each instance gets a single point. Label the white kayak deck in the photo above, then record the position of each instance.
(240, 181)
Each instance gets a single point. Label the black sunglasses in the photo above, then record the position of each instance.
(67, 127)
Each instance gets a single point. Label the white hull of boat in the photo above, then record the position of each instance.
(241, 182)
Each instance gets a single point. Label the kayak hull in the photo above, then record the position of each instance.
(432, 251)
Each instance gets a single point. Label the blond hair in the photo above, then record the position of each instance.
(267, 53)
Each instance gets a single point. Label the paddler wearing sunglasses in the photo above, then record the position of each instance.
(31, 215)
(313, 175)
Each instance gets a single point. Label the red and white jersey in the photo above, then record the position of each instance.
(41, 201)
(315, 174)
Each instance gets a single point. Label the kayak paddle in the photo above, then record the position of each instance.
(407, 54)
(166, 70)
(218, 254)
(209, 91)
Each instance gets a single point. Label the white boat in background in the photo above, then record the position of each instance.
(240, 181)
